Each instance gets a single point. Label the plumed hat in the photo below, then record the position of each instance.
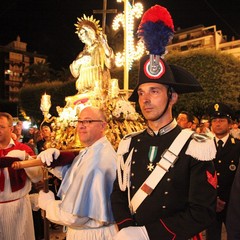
(174, 76)
(156, 30)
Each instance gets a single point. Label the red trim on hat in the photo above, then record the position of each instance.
(149, 74)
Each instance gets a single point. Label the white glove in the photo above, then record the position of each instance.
(132, 233)
(44, 199)
(17, 154)
(48, 155)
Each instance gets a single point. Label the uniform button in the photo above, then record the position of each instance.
(139, 140)
(164, 207)
(165, 193)
(135, 150)
(218, 174)
(168, 179)
(133, 162)
(133, 187)
(219, 161)
(132, 174)
(217, 186)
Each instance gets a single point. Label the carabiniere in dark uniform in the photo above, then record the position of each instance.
(226, 164)
(173, 206)
(166, 182)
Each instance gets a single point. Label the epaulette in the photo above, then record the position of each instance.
(131, 135)
(201, 147)
(200, 137)
(124, 144)
(233, 140)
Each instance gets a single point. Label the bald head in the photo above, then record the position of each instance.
(91, 125)
(94, 113)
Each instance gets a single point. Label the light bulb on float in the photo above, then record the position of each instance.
(114, 88)
(45, 104)
(97, 90)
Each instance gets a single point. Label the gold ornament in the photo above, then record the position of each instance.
(216, 107)
(88, 21)
(150, 167)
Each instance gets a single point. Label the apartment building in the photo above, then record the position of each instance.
(14, 63)
(200, 37)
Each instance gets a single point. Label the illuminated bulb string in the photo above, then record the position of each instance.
(133, 52)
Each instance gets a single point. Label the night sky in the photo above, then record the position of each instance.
(47, 26)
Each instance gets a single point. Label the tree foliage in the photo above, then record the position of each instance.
(42, 72)
(30, 97)
(64, 75)
(39, 72)
(218, 74)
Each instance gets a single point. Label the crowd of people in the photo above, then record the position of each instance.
(175, 179)
(218, 120)
(102, 197)
(202, 124)
(36, 139)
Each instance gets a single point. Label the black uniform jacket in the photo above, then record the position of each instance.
(233, 214)
(182, 204)
(226, 163)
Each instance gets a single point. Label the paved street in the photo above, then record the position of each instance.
(59, 235)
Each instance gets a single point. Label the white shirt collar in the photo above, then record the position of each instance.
(224, 139)
(11, 143)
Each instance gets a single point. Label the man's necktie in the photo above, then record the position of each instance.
(219, 146)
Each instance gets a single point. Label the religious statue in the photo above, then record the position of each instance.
(95, 87)
(91, 67)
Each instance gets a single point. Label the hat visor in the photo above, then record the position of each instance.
(221, 115)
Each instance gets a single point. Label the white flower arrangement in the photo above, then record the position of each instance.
(124, 110)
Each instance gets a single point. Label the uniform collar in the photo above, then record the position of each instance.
(164, 129)
(224, 139)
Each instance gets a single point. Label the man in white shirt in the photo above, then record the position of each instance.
(86, 184)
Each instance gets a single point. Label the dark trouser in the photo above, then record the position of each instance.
(38, 224)
(215, 230)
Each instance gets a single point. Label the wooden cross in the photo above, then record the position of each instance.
(104, 14)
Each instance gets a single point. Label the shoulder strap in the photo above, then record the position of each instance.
(124, 167)
(168, 159)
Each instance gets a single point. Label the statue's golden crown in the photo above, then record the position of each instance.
(88, 21)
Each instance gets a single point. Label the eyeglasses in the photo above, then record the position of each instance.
(86, 123)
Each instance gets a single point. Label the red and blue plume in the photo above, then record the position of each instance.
(156, 29)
